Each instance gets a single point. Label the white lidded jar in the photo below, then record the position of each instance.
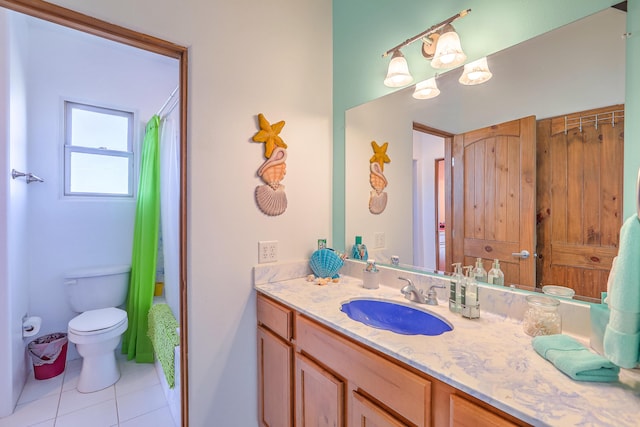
(542, 316)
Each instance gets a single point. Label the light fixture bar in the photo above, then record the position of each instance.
(427, 32)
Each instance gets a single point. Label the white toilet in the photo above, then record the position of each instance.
(97, 293)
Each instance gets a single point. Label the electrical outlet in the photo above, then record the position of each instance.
(267, 251)
(379, 240)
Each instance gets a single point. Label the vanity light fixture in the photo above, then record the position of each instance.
(448, 53)
(475, 72)
(398, 74)
(426, 89)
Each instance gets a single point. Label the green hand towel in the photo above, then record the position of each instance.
(574, 359)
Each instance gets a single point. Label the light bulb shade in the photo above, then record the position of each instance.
(426, 89)
(398, 74)
(449, 53)
(475, 72)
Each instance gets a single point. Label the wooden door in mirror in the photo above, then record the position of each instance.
(579, 198)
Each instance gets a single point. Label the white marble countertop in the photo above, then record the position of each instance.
(490, 358)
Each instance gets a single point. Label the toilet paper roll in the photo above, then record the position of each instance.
(31, 326)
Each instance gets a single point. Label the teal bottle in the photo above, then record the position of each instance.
(359, 250)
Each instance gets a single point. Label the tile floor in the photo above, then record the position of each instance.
(136, 400)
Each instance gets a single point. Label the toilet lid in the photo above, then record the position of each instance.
(95, 320)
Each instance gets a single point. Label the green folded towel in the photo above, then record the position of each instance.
(163, 335)
(574, 359)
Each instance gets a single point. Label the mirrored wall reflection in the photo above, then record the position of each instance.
(53, 64)
(551, 75)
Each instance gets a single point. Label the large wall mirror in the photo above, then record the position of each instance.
(574, 73)
(57, 54)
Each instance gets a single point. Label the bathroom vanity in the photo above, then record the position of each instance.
(343, 382)
(319, 367)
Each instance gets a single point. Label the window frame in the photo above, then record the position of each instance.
(69, 148)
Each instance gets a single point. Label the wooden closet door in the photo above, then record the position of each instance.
(579, 209)
(494, 178)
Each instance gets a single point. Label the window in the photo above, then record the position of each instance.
(98, 151)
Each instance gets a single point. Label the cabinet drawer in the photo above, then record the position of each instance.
(275, 317)
(464, 413)
(400, 391)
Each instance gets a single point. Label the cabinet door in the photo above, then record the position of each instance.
(464, 413)
(396, 388)
(274, 380)
(365, 413)
(319, 396)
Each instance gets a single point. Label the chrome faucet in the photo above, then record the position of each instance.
(412, 293)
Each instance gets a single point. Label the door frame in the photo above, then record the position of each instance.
(87, 24)
(448, 185)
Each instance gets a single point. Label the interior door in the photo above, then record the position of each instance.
(580, 165)
(494, 190)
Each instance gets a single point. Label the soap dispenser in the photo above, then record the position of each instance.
(454, 288)
(469, 296)
(479, 273)
(496, 276)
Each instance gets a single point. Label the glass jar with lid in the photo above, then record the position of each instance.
(542, 316)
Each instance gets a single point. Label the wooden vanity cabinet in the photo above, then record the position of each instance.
(275, 364)
(318, 377)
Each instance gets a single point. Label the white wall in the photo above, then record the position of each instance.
(66, 234)
(246, 57)
(371, 123)
(13, 290)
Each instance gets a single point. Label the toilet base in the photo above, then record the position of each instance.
(98, 372)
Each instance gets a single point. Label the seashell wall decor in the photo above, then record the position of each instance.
(270, 196)
(377, 196)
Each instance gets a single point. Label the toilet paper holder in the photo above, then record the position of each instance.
(31, 325)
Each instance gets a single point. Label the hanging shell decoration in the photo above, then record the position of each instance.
(270, 197)
(377, 196)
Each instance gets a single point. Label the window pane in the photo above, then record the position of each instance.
(97, 130)
(96, 173)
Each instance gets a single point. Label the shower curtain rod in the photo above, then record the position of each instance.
(169, 109)
(168, 100)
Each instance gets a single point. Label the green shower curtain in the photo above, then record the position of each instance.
(135, 342)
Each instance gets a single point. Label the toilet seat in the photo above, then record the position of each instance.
(99, 321)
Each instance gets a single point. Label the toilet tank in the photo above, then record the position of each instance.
(100, 287)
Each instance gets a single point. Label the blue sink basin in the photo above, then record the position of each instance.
(395, 317)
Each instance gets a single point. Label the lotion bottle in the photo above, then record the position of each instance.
(470, 308)
(496, 276)
(454, 288)
(479, 273)
(464, 284)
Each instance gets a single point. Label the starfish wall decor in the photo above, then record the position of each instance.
(270, 197)
(377, 196)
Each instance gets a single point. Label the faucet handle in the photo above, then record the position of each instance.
(406, 280)
(432, 296)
